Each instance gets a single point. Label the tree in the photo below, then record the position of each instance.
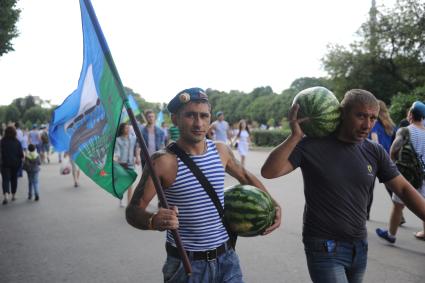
(26, 103)
(388, 58)
(12, 114)
(9, 16)
(36, 114)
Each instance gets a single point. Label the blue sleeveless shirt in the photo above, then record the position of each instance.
(200, 225)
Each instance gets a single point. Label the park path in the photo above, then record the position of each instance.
(80, 235)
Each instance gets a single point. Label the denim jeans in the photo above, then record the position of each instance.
(33, 184)
(225, 268)
(336, 261)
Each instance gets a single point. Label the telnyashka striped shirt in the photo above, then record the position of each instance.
(200, 225)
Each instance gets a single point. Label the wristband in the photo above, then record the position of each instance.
(150, 222)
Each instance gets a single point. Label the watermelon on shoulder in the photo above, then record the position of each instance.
(321, 107)
(248, 210)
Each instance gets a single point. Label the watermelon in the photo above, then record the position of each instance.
(322, 107)
(248, 210)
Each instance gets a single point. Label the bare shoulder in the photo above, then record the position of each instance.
(402, 132)
(165, 164)
(223, 149)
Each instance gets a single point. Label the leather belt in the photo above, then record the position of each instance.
(199, 255)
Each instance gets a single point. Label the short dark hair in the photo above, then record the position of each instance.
(121, 129)
(148, 111)
(31, 147)
(10, 132)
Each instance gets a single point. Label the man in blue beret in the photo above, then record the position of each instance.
(192, 211)
(415, 133)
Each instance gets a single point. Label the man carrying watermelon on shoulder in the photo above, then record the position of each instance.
(338, 171)
(192, 211)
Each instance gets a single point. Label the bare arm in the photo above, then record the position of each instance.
(277, 163)
(399, 140)
(136, 214)
(409, 195)
(236, 170)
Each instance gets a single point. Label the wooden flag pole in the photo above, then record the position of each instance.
(144, 149)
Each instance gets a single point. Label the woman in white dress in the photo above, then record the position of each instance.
(243, 139)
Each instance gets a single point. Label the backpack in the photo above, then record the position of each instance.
(44, 138)
(410, 164)
(30, 165)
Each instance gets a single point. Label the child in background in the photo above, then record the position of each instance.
(32, 166)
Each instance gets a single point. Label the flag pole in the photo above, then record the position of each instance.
(144, 149)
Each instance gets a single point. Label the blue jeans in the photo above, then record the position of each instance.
(225, 268)
(336, 261)
(33, 184)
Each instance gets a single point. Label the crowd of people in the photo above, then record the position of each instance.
(22, 150)
(339, 173)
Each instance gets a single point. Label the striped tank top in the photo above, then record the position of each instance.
(200, 225)
(417, 138)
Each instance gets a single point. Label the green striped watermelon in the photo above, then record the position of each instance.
(248, 210)
(322, 107)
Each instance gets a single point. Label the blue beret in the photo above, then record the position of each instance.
(185, 96)
(419, 108)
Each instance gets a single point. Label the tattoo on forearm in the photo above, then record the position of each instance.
(139, 191)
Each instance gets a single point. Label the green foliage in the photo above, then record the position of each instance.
(269, 137)
(389, 56)
(26, 103)
(142, 103)
(9, 16)
(402, 102)
(37, 114)
(12, 114)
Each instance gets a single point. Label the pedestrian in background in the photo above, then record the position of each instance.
(382, 133)
(126, 153)
(11, 155)
(415, 132)
(243, 140)
(32, 164)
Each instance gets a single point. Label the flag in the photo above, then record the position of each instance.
(159, 118)
(86, 123)
(134, 107)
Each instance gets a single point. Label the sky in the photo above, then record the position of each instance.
(162, 47)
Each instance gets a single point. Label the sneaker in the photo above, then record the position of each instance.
(385, 235)
(13, 198)
(4, 201)
(29, 197)
(36, 198)
(75, 185)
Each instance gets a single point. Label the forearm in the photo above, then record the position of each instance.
(414, 201)
(277, 163)
(138, 217)
(136, 214)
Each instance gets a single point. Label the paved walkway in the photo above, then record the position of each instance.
(80, 235)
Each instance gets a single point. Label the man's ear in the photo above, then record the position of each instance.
(174, 118)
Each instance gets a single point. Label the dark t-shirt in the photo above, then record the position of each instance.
(337, 181)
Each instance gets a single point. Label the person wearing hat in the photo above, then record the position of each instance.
(220, 129)
(416, 132)
(192, 212)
